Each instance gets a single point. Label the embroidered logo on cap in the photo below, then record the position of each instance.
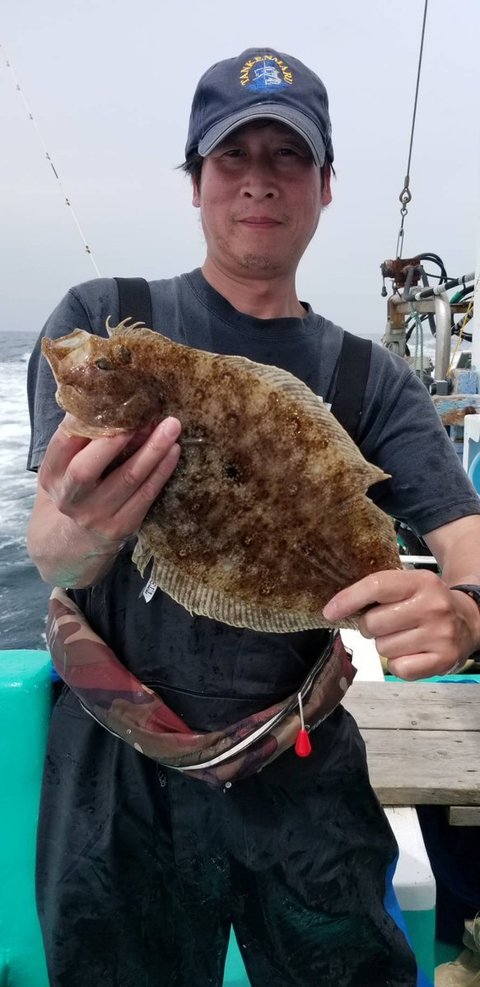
(265, 72)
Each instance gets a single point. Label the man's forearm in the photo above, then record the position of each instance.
(456, 547)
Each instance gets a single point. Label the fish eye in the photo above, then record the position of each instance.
(103, 364)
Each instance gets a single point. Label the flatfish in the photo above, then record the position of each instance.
(266, 515)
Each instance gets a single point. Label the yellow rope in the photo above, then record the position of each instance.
(460, 336)
(464, 323)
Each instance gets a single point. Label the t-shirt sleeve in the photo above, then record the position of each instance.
(402, 433)
(84, 307)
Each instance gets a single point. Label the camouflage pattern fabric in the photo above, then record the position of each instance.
(137, 715)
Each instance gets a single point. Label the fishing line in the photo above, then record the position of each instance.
(50, 160)
(405, 195)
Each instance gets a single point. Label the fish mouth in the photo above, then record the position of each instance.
(109, 402)
(65, 392)
(62, 353)
(75, 340)
(66, 344)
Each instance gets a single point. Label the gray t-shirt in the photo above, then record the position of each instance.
(208, 672)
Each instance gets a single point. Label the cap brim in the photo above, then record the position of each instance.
(268, 111)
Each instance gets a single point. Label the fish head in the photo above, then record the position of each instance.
(97, 383)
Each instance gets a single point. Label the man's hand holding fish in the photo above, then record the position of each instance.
(420, 625)
(89, 509)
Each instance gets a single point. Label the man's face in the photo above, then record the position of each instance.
(260, 198)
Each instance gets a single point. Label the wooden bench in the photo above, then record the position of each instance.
(423, 743)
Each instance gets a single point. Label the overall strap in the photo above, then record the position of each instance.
(135, 300)
(352, 376)
(136, 303)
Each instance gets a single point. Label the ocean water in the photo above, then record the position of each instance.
(23, 595)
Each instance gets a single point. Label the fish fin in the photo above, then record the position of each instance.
(277, 377)
(366, 474)
(200, 599)
(124, 329)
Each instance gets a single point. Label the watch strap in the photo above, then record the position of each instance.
(473, 591)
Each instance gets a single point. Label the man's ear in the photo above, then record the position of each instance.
(326, 186)
(196, 193)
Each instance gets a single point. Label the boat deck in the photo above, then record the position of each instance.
(423, 743)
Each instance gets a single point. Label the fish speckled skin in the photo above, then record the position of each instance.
(265, 516)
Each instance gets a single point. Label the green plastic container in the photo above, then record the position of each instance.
(25, 705)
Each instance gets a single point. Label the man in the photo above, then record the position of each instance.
(141, 870)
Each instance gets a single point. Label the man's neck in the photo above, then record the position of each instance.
(275, 298)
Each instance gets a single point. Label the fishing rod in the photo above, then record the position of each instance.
(66, 198)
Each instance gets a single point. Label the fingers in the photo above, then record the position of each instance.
(380, 587)
(73, 474)
(130, 515)
(411, 616)
(140, 479)
(423, 614)
(416, 666)
(423, 665)
(386, 619)
(91, 459)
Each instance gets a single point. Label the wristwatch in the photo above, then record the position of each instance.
(473, 592)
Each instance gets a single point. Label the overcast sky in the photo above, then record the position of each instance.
(110, 83)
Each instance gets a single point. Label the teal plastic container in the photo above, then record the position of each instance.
(421, 929)
(235, 974)
(466, 677)
(25, 706)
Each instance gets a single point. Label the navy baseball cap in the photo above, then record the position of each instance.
(260, 84)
